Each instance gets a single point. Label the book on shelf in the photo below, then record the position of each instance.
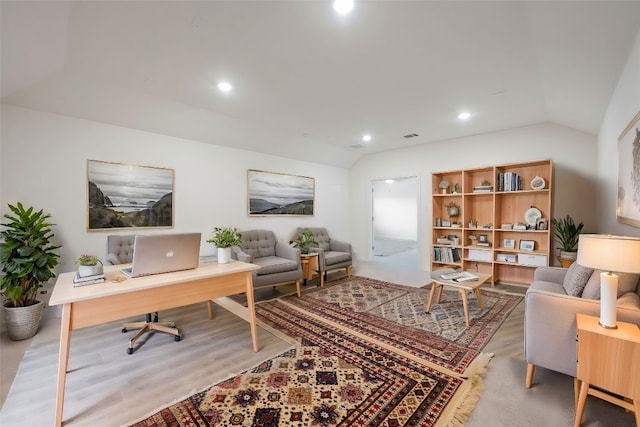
(88, 280)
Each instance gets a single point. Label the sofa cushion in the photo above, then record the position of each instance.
(627, 282)
(630, 300)
(576, 279)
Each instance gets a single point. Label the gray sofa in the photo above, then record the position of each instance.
(551, 304)
(280, 263)
(332, 254)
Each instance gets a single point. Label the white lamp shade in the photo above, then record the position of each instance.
(609, 253)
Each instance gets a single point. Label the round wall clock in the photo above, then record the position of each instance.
(538, 183)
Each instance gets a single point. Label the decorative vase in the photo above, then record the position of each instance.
(23, 322)
(89, 270)
(224, 255)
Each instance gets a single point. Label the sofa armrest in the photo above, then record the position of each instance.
(337, 245)
(549, 274)
(288, 252)
(550, 327)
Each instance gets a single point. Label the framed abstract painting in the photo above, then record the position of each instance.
(628, 203)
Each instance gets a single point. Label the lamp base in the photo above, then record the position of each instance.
(608, 327)
(608, 299)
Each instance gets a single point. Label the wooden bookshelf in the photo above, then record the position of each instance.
(484, 211)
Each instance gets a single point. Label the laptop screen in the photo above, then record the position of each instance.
(164, 253)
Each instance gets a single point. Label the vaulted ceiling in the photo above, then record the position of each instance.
(308, 83)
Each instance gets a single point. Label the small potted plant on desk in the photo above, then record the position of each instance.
(89, 265)
(568, 233)
(304, 241)
(223, 239)
(28, 257)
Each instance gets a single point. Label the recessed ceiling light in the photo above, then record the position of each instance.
(366, 138)
(389, 181)
(343, 6)
(225, 86)
(464, 116)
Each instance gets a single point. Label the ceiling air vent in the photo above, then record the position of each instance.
(356, 146)
(411, 135)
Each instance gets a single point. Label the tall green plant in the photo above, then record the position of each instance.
(27, 254)
(567, 232)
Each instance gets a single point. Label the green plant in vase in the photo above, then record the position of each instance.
(304, 241)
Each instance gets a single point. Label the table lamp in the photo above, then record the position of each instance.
(609, 253)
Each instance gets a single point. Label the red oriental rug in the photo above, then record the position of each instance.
(360, 359)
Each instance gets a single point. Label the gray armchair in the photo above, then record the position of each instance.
(120, 251)
(332, 254)
(280, 263)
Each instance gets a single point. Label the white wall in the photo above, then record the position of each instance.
(44, 164)
(624, 105)
(573, 154)
(395, 209)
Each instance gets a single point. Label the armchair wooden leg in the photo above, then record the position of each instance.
(321, 278)
(298, 287)
(531, 369)
(348, 271)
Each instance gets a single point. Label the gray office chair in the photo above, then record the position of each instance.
(120, 251)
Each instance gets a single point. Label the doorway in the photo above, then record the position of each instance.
(395, 221)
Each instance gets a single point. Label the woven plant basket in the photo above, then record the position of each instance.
(23, 322)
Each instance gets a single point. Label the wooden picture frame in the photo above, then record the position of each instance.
(121, 195)
(276, 194)
(527, 245)
(628, 200)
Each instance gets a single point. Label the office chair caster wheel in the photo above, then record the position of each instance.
(124, 330)
(176, 338)
(129, 351)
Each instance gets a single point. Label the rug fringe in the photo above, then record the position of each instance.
(458, 414)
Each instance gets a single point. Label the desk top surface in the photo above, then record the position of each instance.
(118, 283)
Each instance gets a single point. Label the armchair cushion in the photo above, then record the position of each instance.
(274, 264)
(576, 279)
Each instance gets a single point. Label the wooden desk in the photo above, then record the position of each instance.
(610, 360)
(105, 302)
(463, 287)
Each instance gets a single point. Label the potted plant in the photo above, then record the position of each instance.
(223, 239)
(28, 257)
(567, 232)
(304, 241)
(89, 265)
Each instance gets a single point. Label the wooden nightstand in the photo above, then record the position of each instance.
(608, 359)
(309, 266)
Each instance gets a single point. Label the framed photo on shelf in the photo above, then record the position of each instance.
(527, 245)
(509, 243)
(542, 224)
(446, 223)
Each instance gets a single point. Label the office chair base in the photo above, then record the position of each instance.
(167, 327)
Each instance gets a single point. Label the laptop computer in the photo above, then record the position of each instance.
(164, 253)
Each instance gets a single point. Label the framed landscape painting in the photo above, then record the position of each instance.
(271, 193)
(628, 203)
(128, 196)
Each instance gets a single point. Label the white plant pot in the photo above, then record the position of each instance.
(224, 255)
(89, 270)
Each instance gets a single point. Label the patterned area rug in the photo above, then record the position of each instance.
(328, 380)
(366, 355)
